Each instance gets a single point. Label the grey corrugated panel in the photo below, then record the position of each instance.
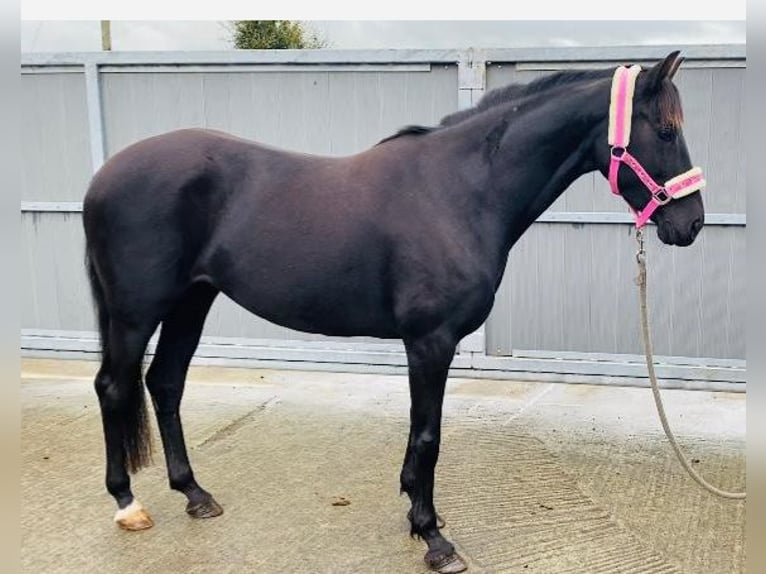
(54, 141)
(30, 311)
(55, 278)
(713, 102)
(41, 280)
(725, 172)
(736, 295)
(67, 242)
(498, 334)
(332, 113)
(719, 321)
(683, 290)
(556, 272)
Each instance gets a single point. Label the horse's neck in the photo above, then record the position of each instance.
(541, 155)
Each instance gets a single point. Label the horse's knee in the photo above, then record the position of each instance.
(426, 440)
(102, 383)
(426, 448)
(159, 392)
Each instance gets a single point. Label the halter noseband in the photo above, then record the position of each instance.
(620, 112)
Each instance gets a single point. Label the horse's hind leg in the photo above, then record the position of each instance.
(179, 337)
(123, 413)
(428, 359)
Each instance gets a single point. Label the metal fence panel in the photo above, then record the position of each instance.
(54, 140)
(568, 286)
(323, 112)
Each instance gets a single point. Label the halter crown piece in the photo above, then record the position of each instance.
(620, 113)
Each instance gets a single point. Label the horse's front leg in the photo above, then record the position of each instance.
(428, 358)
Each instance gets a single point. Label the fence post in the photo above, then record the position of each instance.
(95, 115)
(471, 79)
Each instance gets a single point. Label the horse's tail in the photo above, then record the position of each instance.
(130, 404)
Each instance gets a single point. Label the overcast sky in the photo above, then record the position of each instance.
(57, 36)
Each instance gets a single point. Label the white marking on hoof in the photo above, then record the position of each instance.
(123, 513)
(133, 517)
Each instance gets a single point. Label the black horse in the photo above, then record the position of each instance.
(406, 240)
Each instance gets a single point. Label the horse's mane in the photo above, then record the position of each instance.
(511, 92)
(413, 130)
(505, 94)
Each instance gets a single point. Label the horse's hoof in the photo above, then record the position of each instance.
(451, 564)
(440, 522)
(206, 509)
(133, 517)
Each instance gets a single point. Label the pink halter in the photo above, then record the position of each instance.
(620, 113)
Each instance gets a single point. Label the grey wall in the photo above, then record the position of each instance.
(568, 286)
(330, 112)
(54, 141)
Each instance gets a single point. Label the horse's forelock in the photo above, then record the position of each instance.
(667, 106)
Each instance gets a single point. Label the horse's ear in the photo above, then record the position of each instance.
(665, 69)
(676, 65)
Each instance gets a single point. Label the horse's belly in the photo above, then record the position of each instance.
(315, 296)
(334, 313)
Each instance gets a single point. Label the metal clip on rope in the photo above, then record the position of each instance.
(641, 281)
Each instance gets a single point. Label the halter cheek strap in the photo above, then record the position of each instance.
(620, 116)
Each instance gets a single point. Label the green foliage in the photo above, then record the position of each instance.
(273, 35)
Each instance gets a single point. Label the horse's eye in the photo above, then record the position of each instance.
(666, 133)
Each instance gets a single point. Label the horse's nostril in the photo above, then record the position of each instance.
(696, 226)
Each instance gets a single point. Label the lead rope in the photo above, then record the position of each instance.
(641, 280)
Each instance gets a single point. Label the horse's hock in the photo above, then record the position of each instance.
(533, 477)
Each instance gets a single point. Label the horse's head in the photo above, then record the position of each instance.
(645, 132)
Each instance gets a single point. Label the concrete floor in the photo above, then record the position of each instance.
(533, 477)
